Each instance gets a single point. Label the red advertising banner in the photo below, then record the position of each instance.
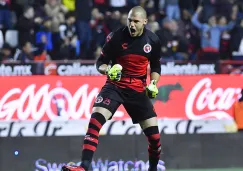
(71, 98)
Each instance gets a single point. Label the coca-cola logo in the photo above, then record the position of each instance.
(204, 101)
(47, 103)
(50, 68)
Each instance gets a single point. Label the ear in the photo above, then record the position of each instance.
(145, 21)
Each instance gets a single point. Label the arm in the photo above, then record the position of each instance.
(155, 62)
(232, 23)
(229, 26)
(195, 18)
(106, 55)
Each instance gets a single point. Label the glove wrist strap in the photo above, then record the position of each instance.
(154, 81)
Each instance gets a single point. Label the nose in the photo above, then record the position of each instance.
(132, 24)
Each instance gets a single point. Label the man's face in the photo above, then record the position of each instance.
(28, 48)
(135, 23)
(30, 13)
(212, 21)
(223, 21)
(6, 52)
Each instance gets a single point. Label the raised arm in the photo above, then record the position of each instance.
(232, 23)
(195, 20)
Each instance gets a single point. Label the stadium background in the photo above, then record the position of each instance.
(49, 81)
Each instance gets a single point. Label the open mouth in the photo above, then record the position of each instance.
(132, 30)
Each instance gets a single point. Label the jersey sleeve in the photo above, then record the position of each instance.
(155, 57)
(107, 51)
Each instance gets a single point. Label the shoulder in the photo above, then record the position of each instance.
(153, 37)
(115, 34)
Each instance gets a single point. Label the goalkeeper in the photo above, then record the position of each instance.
(129, 50)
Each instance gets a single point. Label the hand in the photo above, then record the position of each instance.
(234, 16)
(114, 73)
(152, 90)
(235, 8)
(38, 20)
(199, 9)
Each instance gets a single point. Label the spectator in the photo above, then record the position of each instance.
(83, 17)
(69, 37)
(114, 21)
(236, 44)
(99, 28)
(215, 40)
(225, 39)
(174, 46)
(6, 53)
(26, 54)
(26, 26)
(172, 9)
(40, 54)
(5, 15)
(161, 5)
(190, 33)
(210, 35)
(56, 11)
(18, 6)
(149, 6)
(238, 112)
(44, 35)
(68, 29)
(153, 25)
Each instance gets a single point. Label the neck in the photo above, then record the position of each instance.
(141, 32)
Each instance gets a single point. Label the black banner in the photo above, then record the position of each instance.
(88, 68)
(122, 152)
(167, 68)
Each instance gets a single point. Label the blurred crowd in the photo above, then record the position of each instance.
(38, 30)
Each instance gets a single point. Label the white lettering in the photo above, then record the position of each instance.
(6, 70)
(77, 69)
(214, 101)
(57, 103)
(170, 68)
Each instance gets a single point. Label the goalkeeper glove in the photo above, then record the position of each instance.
(114, 73)
(152, 90)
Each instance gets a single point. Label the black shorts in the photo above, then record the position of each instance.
(137, 104)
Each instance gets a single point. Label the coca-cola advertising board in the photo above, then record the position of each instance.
(71, 98)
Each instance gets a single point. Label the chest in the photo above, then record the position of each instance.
(138, 46)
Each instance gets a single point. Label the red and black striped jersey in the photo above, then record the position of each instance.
(133, 54)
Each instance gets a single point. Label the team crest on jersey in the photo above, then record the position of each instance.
(147, 48)
(99, 99)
